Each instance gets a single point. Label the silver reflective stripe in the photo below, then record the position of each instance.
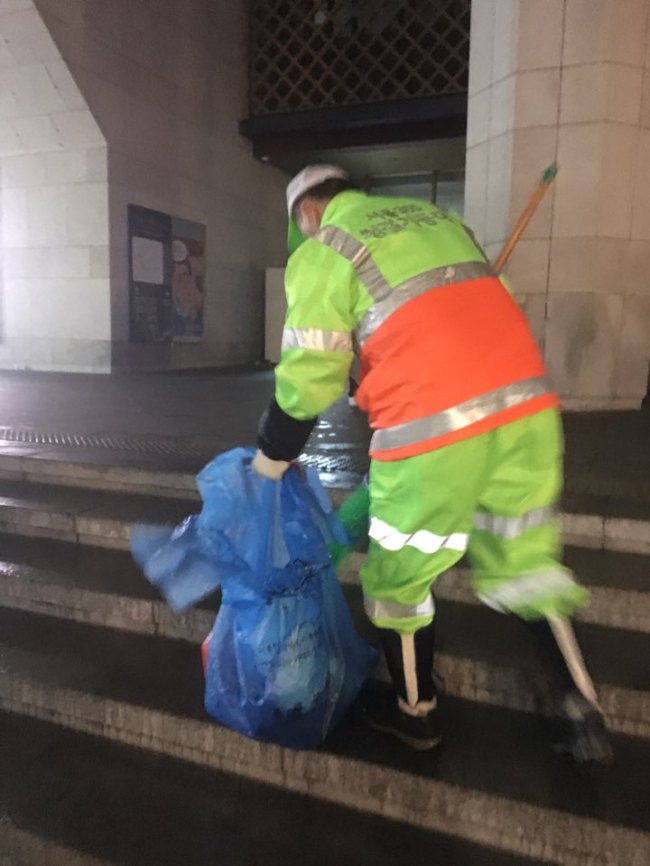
(378, 609)
(458, 417)
(343, 243)
(390, 301)
(512, 527)
(527, 589)
(359, 255)
(314, 338)
(390, 538)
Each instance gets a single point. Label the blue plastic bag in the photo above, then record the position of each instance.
(284, 661)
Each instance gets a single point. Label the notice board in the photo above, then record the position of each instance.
(166, 277)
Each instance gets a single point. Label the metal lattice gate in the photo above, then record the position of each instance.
(309, 54)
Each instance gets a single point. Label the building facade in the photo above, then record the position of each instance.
(144, 149)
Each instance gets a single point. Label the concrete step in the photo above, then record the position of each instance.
(618, 522)
(495, 783)
(105, 587)
(146, 474)
(103, 518)
(619, 584)
(101, 470)
(606, 521)
(165, 466)
(483, 656)
(72, 799)
(83, 516)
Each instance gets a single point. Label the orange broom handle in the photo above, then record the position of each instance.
(538, 194)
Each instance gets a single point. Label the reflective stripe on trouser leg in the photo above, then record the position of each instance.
(512, 593)
(390, 538)
(515, 545)
(421, 510)
(534, 595)
(378, 609)
(398, 574)
(512, 527)
(510, 543)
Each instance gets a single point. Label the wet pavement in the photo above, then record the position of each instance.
(179, 420)
(495, 750)
(158, 812)
(136, 808)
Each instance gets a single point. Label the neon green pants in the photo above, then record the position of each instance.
(491, 497)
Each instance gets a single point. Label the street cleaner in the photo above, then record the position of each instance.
(467, 441)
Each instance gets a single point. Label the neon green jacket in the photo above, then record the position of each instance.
(406, 286)
(327, 300)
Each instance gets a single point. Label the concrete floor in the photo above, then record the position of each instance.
(136, 809)
(208, 412)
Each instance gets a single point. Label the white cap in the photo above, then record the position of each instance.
(308, 178)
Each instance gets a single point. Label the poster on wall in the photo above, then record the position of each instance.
(188, 275)
(166, 277)
(150, 275)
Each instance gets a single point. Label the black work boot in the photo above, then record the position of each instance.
(408, 711)
(578, 728)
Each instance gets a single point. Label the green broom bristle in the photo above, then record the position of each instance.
(549, 173)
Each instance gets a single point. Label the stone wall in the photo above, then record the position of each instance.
(54, 286)
(569, 80)
(149, 94)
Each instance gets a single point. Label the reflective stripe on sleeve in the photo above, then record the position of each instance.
(317, 339)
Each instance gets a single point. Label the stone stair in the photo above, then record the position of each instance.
(100, 803)
(90, 655)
